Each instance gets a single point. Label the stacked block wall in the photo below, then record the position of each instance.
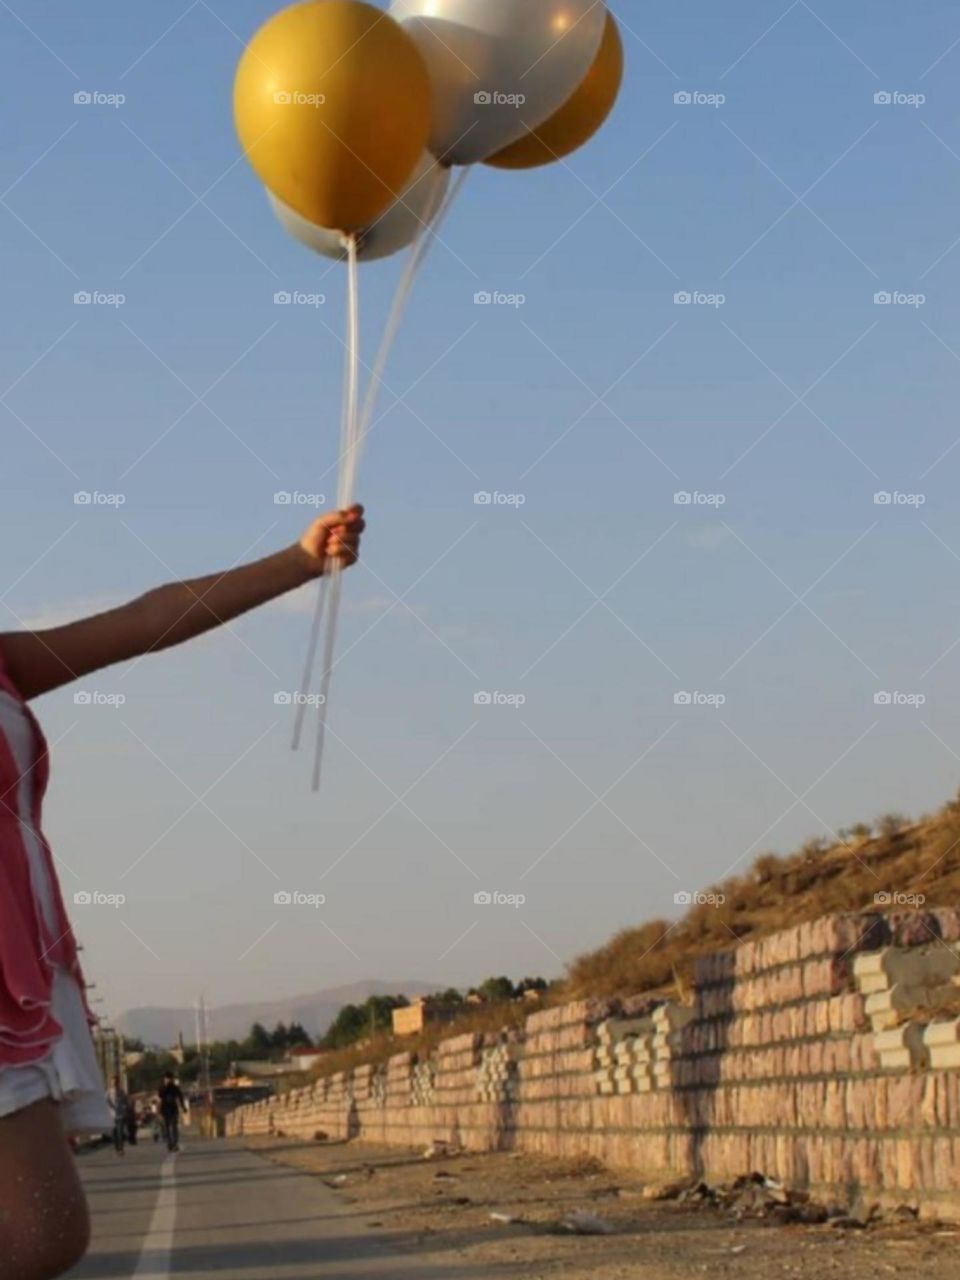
(815, 1055)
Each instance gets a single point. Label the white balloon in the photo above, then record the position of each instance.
(499, 67)
(417, 204)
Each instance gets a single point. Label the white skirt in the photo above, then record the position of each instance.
(70, 1074)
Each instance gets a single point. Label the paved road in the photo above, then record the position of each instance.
(216, 1210)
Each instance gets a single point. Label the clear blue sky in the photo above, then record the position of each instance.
(798, 199)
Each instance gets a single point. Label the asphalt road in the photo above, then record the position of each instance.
(217, 1210)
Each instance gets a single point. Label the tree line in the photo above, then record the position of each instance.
(354, 1022)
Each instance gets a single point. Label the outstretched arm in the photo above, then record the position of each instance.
(39, 661)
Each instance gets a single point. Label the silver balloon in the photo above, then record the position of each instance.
(416, 206)
(499, 67)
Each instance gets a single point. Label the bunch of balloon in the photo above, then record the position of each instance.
(353, 118)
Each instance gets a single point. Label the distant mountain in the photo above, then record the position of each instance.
(314, 1011)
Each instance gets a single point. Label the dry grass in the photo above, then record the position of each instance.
(819, 880)
(658, 956)
(479, 1018)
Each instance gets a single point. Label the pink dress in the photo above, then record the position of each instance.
(46, 1049)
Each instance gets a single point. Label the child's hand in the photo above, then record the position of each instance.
(335, 536)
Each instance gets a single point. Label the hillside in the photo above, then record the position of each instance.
(912, 864)
(314, 1011)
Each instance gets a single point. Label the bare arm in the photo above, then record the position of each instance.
(44, 660)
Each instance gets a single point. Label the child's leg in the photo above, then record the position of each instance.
(44, 1224)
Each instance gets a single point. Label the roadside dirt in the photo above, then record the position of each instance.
(440, 1209)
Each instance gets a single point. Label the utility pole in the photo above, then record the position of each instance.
(203, 1046)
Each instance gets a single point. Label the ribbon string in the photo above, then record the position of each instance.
(355, 424)
(350, 380)
(349, 445)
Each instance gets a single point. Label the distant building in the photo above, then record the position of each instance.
(226, 1097)
(412, 1019)
(259, 1069)
(249, 1072)
(306, 1059)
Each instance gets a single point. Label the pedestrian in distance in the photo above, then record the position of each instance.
(172, 1106)
(132, 1122)
(119, 1102)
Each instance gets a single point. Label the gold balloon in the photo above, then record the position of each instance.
(333, 107)
(579, 118)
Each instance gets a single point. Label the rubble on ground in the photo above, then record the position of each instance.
(440, 1148)
(755, 1196)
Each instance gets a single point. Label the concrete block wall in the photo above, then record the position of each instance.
(816, 1055)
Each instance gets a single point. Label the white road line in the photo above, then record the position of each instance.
(155, 1256)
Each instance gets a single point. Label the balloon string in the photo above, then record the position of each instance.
(350, 443)
(354, 428)
(428, 232)
(310, 662)
(329, 565)
(329, 650)
(348, 469)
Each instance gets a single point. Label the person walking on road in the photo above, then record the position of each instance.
(51, 1084)
(119, 1102)
(172, 1105)
(132, 1122)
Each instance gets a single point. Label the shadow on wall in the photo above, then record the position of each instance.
(507, 1108)
(698, 1096)
(353, 1120)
